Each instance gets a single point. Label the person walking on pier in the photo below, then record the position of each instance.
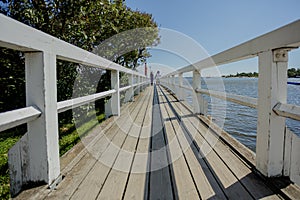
(157, 77)
(151, 78)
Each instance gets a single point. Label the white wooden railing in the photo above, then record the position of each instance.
(277, 148)
(35, 158)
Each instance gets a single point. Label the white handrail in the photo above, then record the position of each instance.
(17, 117)
(286, 36)
(287, 110)
(18, 36)
(239, 99)
(73, 103)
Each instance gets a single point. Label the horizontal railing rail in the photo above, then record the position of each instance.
(284, 110)
(272, 51)
(286, 36)
(287, 110)
(32, 40)
(39, 150)
(17, 117)
(74, 103)
(239, 99)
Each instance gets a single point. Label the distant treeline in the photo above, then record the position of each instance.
(243, 74)
(292, 73)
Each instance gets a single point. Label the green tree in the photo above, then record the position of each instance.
(293, 72)
(84, 23)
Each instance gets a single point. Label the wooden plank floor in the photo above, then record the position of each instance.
(157, 149)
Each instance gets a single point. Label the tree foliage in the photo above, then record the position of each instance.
(84, 23)
(293, 72)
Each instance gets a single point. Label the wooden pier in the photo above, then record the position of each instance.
(121, 162)
(155, 146)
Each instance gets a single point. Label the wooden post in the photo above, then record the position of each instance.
(143, 86)
(35, 158)
(115, 98)
(196, 85)
(43, 132)
(139, 87)
(199, 103)
(129, 95)
(272, 88)
(180, 89)
(173, 84)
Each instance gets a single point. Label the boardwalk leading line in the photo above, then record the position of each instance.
(161, 184)
(122, 164)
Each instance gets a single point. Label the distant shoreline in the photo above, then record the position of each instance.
(292, 73)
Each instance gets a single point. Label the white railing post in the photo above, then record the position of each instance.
(196, 85)
(272, 88)
(129, 95)
(35, 158)
(199, 104)
(173, 83)
(115, 98)
(180, 89)
(43, 132)
(139, 86)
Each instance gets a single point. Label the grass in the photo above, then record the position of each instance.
(69, 136)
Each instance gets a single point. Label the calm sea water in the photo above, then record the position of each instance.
(241, 121)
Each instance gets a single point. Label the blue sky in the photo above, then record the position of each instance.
(218, 25)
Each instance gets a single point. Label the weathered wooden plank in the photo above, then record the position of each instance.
(250, 181)
(121, 168)
(243, 151)
(205, 181)
(93, 182)
(186, 188)
(68, 161)
(137, 181)
(290, 190)
(160, 183)
(253, 184)
(82, 168)
(228, 181)
(72, 180)
(203, 178)
(116, 180)
(73, 156)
